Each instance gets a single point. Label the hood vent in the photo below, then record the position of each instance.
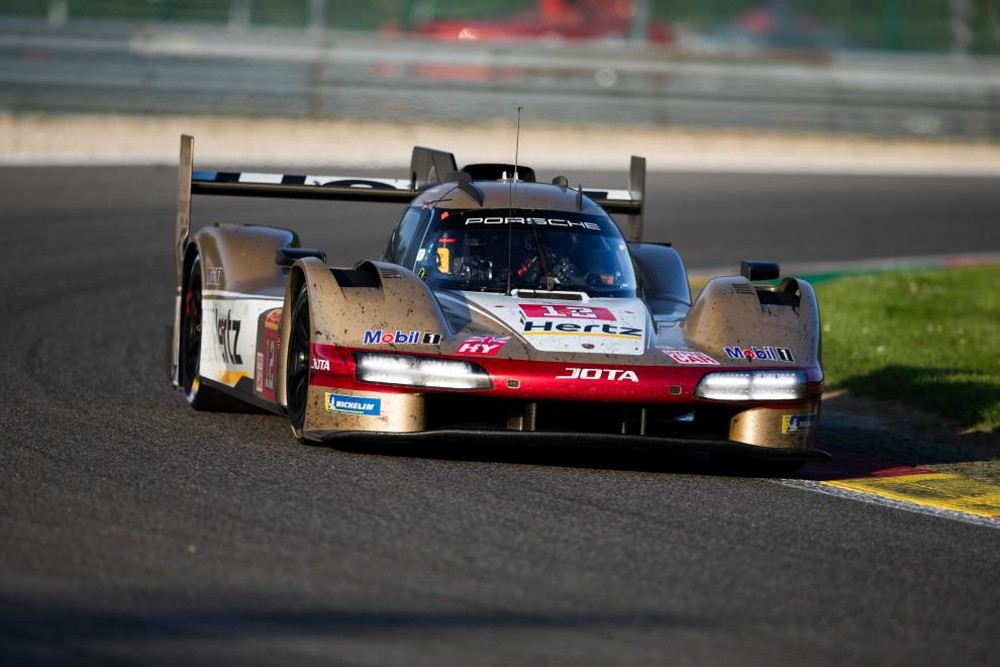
(390, 274)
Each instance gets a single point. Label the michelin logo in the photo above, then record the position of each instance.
(792, 424)
(355, 405)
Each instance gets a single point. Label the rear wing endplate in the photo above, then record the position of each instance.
(628, 202)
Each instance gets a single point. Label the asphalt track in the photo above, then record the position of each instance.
(136, 531)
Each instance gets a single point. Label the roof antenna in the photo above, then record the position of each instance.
(517, 140)
(510, 201)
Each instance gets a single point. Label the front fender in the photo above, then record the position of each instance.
(362, 307)
(733, 312)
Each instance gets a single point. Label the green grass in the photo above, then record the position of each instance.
(926, 338)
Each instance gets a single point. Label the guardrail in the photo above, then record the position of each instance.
(156, 69)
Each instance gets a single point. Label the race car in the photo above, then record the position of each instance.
(502, 310)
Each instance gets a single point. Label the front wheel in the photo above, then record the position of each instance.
(198, 395)
(298, 364)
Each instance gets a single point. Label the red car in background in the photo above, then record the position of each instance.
(551, 20)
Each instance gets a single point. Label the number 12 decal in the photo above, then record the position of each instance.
(539, 310)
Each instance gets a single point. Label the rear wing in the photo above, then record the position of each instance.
(428, 167)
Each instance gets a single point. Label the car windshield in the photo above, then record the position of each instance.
(491, 250)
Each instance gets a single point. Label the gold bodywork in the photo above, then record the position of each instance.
(400, 413)
(768, 427)
(732, 311)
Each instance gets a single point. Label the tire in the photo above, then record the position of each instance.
(199, 396)
(297, 365)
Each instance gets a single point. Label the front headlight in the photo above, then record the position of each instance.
(753, 386)
(421, 372)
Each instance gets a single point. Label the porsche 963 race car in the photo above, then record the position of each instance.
(502, 308)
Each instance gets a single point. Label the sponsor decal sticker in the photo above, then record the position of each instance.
(690, 357)
(355, 405)
(378, 337)
(552, 328)
(273, 320)
(539, 310)
(213, 276)
(484, 346)
(549, 222)
(765, 353)
(258, 374)
(608, 374)
(229, 338)
(272, 366)
(319, 364)
(792, 424)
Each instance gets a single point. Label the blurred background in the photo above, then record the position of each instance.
(886, 68)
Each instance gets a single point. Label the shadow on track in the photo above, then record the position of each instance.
(667, 461)
(34, 633)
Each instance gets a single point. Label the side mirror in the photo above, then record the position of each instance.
(286, 256)
(754, 271)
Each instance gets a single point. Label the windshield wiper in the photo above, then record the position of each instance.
(550, 278)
